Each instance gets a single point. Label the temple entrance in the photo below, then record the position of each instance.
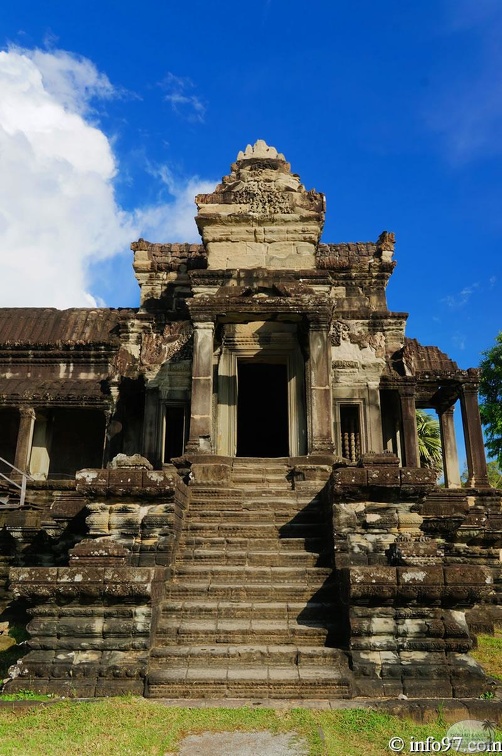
(262, 410)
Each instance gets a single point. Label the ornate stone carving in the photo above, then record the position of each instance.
(156, 350)
(261, 216)
(339, 332)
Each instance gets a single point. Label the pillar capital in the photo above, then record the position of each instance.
(470, 388)
(26, 412)
(203, 325)
(407, 390)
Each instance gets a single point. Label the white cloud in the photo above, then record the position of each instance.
(456, 301)
(174, 220)
(184, 103)
(58, 211)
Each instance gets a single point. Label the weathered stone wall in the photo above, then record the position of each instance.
(92, 620)
(411, 564)
(141, 510)
(90, 629)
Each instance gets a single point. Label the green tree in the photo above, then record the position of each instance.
(429, 441)
(494, 474)
(490, 390)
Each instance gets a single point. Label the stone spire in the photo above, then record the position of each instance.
(261, 216)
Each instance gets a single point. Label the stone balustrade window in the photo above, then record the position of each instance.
(350, 427)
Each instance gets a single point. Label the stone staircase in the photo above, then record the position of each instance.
(250, 610)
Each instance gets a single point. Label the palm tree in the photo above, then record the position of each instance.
(429, 441)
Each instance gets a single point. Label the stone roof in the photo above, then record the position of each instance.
(46, 326)
(169, 256)
(93, 391)
(421, 360)
(344, 255)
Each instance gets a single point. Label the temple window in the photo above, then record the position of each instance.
(350, 431)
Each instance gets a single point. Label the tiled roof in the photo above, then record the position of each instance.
(53, 390)
(345, 255)
(426, 359)
(171, 256)
(39, 326)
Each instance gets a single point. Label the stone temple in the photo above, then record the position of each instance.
(219, 493)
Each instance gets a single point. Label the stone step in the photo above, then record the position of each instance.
(245, 682)
(254, 495)
(265, 515)
(230, 543)
(223, 654)
(237, 558)
(206, 530)
(251, 591)
(263, 478)
(260, 467)
(280, 610)
(238, 462)
(242, 574)
(247, 631)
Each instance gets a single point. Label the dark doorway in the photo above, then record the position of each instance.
(175, 431)
(9, 427)
(77, 441)
(262, 410)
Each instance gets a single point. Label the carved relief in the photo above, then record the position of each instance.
(339, 332)
(262, 198)
(157, 349)
(375, 341)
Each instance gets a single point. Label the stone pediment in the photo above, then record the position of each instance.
(261, 215)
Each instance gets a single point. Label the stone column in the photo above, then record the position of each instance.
(374, 419)
(201, 413)
(409, 420)
(449, 444)
(320, 385)
(473, 436)
(24, 438)
(151, 427)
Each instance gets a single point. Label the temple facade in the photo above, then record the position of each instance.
(235, 465)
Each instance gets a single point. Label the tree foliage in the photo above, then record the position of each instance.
(490, 390)
(429, 441)
(494, 474)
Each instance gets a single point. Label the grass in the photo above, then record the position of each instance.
(134, 727)
(489, 653)
(138, 727)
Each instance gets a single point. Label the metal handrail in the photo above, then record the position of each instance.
(24, 478)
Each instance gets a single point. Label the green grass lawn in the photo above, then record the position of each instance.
(137, 727)
(489, 653)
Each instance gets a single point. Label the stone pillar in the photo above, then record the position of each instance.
(409, 420)
(473, 436)
(320, 385)
(449, 444)
(24, 438)
(201, 413)
(151, 427)
(106, 438)
(374, 419)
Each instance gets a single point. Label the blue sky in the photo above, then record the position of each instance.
(113, 114)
